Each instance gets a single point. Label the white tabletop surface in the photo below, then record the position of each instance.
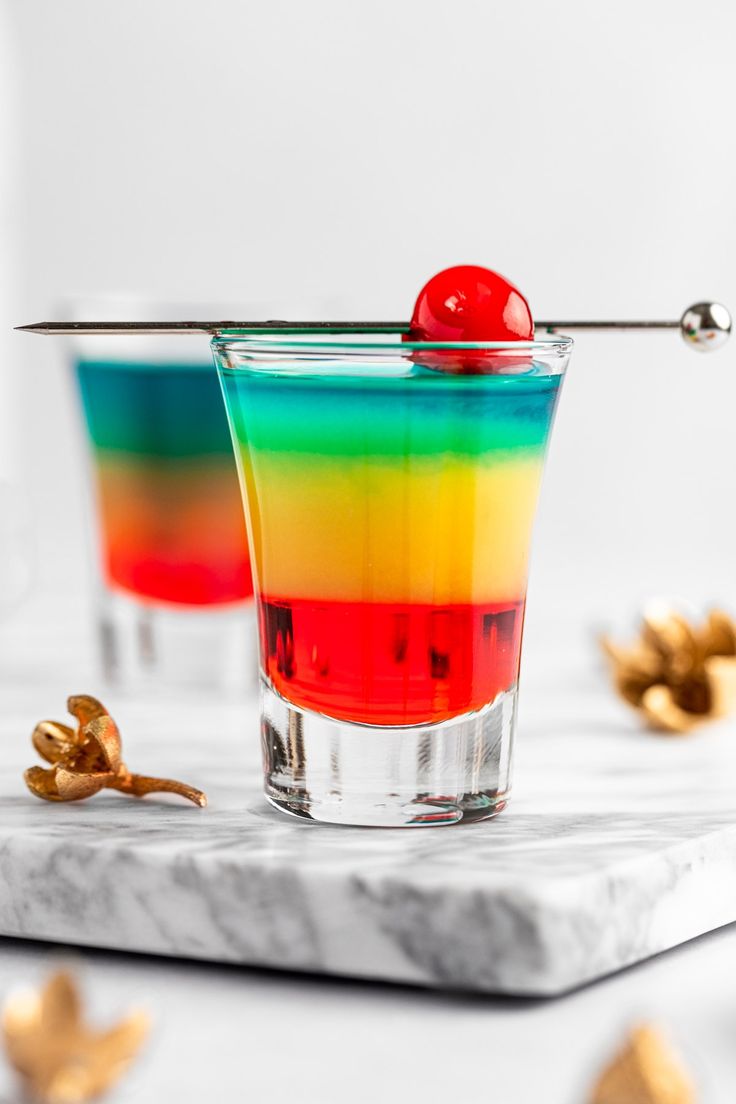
(234, 1033)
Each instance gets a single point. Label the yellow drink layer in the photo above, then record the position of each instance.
(433, 529)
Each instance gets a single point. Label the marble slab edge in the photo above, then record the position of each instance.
(469, 930)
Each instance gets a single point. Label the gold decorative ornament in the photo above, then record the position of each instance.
(678, 675)
(88, 759)
(60, 1059)
(645, 1071)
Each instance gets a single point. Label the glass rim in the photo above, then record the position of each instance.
(307, 340)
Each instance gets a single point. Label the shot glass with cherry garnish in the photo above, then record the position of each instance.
(390, 487)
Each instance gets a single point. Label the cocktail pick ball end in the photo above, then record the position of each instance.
(706, 326)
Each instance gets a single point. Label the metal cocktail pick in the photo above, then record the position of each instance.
(704, 326)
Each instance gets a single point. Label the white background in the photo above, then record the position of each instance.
(286, 150)
(346, 150)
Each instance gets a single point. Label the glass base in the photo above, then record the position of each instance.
(198, 648)
(412, 776)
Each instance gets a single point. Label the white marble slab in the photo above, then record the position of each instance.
(617, 845)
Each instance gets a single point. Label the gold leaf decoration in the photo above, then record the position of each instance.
(645, 1071)
(88, 759)
(677, 675)
(59, 1058)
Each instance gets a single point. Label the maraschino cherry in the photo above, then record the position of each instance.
(470, 303)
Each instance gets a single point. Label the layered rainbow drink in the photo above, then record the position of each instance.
(170, 516)
(390, 506)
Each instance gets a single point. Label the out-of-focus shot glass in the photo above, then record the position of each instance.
(174, 601)
(390, 491)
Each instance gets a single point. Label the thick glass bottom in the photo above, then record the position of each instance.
(413, 776)
(146, 645)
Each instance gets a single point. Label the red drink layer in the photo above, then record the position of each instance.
(390, 663)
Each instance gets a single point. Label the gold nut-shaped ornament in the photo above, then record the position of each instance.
(88, 758)
(58, 1057)
(676, 674)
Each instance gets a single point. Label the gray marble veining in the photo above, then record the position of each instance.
(617, 845)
